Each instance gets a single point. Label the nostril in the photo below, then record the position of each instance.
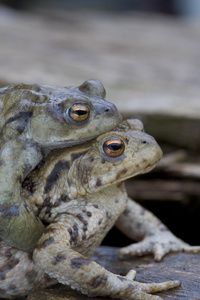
(144, 142)
(107, 110)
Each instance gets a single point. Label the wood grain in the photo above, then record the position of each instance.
(183, 267)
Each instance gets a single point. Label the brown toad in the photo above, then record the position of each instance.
(34, 120)
(80, 193)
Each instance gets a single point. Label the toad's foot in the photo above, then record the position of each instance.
(140, 291)
(159, 245)
(152, 235)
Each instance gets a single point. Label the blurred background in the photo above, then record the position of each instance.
(171, 7)
(147, 55)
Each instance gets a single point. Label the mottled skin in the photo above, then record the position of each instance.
(34, 120)
(79, 192)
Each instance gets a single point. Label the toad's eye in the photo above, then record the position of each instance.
(79, 112)
(113, 147)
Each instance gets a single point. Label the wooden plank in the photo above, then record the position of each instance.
(183, 267)
(166, 189)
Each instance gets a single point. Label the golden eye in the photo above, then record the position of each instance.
(79, 112)
(113, 147)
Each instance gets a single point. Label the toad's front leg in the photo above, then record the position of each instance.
(18, 226)
(154, 237)
(60, 250)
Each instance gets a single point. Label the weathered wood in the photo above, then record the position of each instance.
(184, 170)
(158, 190)
(183, 267)
(172, 158)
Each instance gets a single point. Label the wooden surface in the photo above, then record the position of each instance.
(183, 267)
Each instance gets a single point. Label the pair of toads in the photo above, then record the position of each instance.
(57, 202)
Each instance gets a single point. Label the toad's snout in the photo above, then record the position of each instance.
(150, 148)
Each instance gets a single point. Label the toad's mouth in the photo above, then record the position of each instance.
(144, 170)
(63, 144)
(68, 143)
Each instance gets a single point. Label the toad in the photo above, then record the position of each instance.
(79, 193)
